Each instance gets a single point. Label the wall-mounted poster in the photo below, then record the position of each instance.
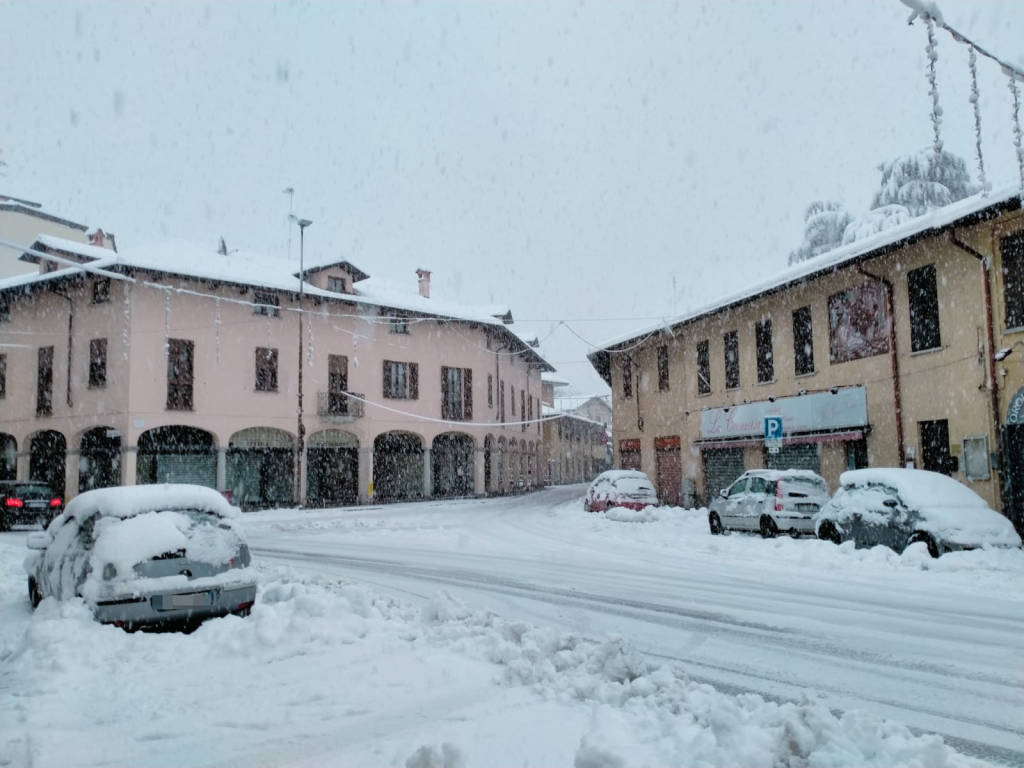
(858, 323)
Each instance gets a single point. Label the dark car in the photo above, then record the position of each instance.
(900, 507)
(27, 503)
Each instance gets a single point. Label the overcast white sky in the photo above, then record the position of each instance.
(602, 163)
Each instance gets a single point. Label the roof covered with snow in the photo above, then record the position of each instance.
(127, 501)
(192, 260)
(975, 208)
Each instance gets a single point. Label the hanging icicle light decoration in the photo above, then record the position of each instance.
(931, 51)
(1018, 142)
(972, 64)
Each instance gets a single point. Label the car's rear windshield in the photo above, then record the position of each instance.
(633, 485)
(37, 490)
(803, 483)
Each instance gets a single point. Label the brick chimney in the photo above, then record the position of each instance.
(424, 276)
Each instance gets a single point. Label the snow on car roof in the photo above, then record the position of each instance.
(782, 474)
(615, 474)
(127, 501)
(917, 487)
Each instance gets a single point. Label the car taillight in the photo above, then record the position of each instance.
(14, 503)
(55, 501)
(778, 497)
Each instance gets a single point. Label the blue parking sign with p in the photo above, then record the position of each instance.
(772, 427)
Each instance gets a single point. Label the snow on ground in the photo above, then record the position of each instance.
(329, 671)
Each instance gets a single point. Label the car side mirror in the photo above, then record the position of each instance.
(38, 540)
(724, 493)
(890, 503)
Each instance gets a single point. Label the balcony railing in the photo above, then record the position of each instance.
(339, 405)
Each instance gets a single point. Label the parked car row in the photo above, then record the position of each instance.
(894, 507)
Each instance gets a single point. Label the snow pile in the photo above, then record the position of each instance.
(652, 714)
(626, 515)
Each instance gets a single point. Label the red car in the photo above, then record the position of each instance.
(27, 502)
(620, 488)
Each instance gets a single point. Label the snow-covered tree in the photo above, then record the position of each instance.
(923, 181)
(824, 225)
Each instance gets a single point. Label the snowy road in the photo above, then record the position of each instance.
(938, 646)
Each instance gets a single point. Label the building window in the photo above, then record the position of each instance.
(490, 391)
(765, 357)
(627, 377)
(803, 342)
(97, 363)
(935, 455)
(337, 384)
(3, 375)
(663, 368)
(398, 324)
(501, 402)
(456, 394)
(5, 308)
(101, 290)
(522, 409)
(266, 303)
(401, 380)
(703, 368)
(732, 360)
(1012, 249)
(44, 382)
(512, 397)
(924, 309)
(337, 284)
(538, 410)
(266, 369)
(180, 364)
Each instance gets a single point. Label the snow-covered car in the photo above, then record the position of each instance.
(620, 488)
(769, 501)
(898, 507)
(145, 555)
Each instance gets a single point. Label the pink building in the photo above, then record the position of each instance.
(181, 363)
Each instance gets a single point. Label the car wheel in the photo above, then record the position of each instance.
(715, 523)
(933, 548)
(34, 598)
(827, 532)
(769, 530)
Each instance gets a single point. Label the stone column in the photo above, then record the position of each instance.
(71, 459)
(428, 480)
(478, 472)
(222, 469)
(365, 473)
(129, 464)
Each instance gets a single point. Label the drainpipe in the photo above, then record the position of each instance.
(894, 364)
(986, 270)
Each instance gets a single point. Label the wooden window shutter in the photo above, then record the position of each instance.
(387, 379)
(467, 394)
(414, 381)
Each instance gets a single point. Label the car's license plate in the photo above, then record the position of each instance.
(191, 600)
(807, 507)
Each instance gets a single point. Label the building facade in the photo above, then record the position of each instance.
(878, 354)
(183, 364)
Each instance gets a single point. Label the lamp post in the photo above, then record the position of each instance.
(301, 429)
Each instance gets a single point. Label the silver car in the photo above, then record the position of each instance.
(769, 501)
(144, 556)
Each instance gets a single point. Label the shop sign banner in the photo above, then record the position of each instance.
(816, 411)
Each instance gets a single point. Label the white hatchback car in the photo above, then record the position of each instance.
(769, 501)
(143, 556)
(620, 488)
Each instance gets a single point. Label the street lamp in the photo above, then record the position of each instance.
(303, 223)
(1005, 352)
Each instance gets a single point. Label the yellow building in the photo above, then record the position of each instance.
(879, 353)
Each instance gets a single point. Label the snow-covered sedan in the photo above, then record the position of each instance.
(899, 507)
(620, 488)
(141, 556)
